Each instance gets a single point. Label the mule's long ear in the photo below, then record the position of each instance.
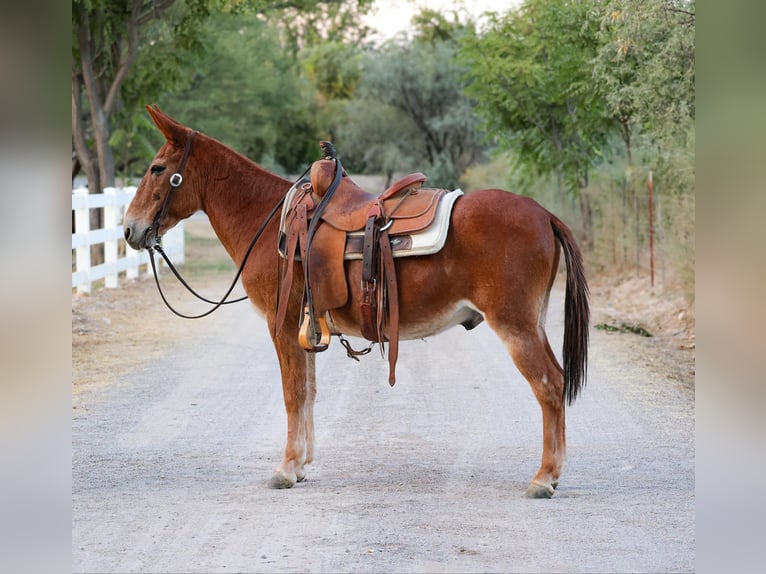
(171, 129)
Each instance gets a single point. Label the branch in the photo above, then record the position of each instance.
(78, 126)
(691, 15)
(86, 58)
(141, 13)
(680, 11)
(130, 56)
(152, 10)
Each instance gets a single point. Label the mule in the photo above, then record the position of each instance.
(498, 265)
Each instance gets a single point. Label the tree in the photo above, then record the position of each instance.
(308, 24)
(248, 91)
(410, 110)
(532, 81)
(645, 67)
(334, 69)
(112, 38)
(107, 36)
(645, 64)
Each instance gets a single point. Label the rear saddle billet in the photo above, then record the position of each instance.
(327, 219)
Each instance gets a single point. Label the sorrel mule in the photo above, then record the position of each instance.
(498, 264)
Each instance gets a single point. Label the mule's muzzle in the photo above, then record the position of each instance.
(137, 235)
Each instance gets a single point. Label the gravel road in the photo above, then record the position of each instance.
(170, 464)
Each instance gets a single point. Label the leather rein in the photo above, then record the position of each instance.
(175, 182)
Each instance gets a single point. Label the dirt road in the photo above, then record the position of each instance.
(171, 460)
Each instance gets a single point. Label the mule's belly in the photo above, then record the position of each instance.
(462, 313)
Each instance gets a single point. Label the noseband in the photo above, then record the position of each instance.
(175, 181)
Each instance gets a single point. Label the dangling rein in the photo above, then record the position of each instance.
(175, 181)
(158, 248)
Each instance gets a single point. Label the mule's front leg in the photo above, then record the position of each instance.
(299, 390)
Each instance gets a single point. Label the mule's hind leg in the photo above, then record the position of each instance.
(532, 355)
(299, 391)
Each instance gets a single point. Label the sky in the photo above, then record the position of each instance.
(392, 16)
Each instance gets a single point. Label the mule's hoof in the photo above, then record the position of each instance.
(281, 481)
(539, 490)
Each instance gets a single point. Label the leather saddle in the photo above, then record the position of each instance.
(330, 218)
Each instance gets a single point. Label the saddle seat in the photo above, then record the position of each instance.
(356, 220)
(349, 210)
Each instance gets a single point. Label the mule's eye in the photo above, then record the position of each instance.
(157, 169)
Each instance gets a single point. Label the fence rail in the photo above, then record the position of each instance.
(119, 257)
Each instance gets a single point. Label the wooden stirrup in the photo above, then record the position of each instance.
(305, 336)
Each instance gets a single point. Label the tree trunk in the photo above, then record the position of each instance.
(626, 139)
(586, 213)
(106, 55)
(101, 134)
(96, 168)
(87, 161)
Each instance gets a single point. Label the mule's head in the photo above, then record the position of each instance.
(168, 191)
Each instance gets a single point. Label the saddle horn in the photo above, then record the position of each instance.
(328, 150)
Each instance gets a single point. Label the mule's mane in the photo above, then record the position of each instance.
(236, 192)
(234, 158)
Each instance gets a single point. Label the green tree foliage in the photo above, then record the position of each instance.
(646, 70)
(125, 53)
(334, 69)
(597, 93)
(172, 46)
(107, 38)
(248, 92)
(327, 21)
(410, 111)
(533, 85)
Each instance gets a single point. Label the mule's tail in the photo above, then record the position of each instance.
(576, 314)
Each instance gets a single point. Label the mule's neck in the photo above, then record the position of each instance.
(237, 196)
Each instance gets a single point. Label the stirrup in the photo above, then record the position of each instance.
(305, 337)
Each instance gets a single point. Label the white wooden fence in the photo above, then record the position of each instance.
(114, 202)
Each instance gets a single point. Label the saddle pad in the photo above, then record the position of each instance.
(297, 188)
(426, 242)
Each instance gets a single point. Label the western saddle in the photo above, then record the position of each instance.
(328, 219)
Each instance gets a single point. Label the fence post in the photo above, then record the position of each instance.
(651, 226)
(117, 259)
(131, 254)
(174, 244)
(82, 253)
(110, 245)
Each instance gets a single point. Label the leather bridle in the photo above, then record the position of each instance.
(175, 182)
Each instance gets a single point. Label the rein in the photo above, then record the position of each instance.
(175, 181)
(158, 248)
